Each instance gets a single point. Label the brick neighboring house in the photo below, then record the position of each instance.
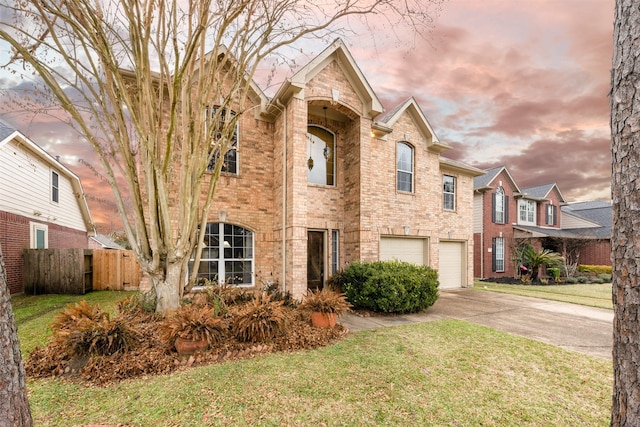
(506, 216)
(42, 203)
(322, 177)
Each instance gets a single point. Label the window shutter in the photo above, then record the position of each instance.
(506, 209)
(555, 215)
(493, 254)
(493, 207)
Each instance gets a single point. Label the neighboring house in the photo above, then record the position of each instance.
(506, 217)
(100, 241)
(321, 176)
(42, 204)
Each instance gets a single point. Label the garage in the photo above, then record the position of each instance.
(451, 272)
(404, 249)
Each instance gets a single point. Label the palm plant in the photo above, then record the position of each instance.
(537, 258)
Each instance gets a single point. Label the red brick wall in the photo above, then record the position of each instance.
(596, 253)
(491, 230)
(14, 237)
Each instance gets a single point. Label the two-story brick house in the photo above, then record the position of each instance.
(507, 216)
(321, 176)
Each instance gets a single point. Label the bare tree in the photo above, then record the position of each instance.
(625, 240)
(161, 123)
(14, 405)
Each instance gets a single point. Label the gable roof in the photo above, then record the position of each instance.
(411, 107)
(541, 192)
(455, 165)
(482, 182)
(8, 133)
(338, 52)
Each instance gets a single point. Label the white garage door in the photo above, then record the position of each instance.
(403, 249)
(451, 269)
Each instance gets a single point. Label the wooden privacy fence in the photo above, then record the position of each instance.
(116, 270)
(78, 271)
(57, 271)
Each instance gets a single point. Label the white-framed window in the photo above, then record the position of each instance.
(551, 214)
(227, 255)
(335, 251)
(404, 161)
(230, 164)
(55, 187)
(449, 191)
(526, 212)
(321, 161)
(39, 236)
(498, 254)
(500, 207)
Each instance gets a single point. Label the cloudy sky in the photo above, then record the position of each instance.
(520, 83)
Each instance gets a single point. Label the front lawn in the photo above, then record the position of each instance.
(593, 295)
(437, 373)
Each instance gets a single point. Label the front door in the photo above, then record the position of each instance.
(315, 260)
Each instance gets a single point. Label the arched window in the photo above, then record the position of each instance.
(499, 206)
(227, 256)
(404, 160)
(321, 146)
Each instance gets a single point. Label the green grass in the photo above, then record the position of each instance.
(593, 295)
(34, 314)
(443, 373)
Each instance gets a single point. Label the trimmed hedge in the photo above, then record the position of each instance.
(388, 286)
(595, 269)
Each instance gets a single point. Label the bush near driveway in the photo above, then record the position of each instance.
(388, 286)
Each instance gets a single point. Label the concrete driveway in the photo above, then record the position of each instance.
(574, 327)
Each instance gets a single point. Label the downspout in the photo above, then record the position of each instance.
(284, 196)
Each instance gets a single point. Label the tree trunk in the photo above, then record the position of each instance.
(168, 288)
(625, 239)
(14, 405)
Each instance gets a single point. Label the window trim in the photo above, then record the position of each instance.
(55, 187)
(410, 173)
(498, 263)
(221, 259)
(335, 251)
(332, 155)
(530, 213)
(448, 193)
(235, 143)
(34, 227)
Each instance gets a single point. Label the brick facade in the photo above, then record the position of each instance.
(271, 195)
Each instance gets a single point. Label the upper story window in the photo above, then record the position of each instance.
(404, 155)
(551, 214)
(527, 212)
(500, 207)
(218, 120)
(55, 187)
(321, 148)
(449, 201)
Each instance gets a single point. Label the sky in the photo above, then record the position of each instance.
(518, 83)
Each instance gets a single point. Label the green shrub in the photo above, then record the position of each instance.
(583, 279)
(595, 269)
(554, 273)
(388, 286)
(571, 280)
(605, 277)
(598, 280)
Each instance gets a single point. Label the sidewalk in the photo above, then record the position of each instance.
(574, 327)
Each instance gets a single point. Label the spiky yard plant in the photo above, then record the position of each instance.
(325, 301)
(104, 337)
(260, 320)
(193, 322)
(69, 319)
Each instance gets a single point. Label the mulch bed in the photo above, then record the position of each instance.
(151, 356)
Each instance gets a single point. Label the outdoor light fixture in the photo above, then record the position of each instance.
(406, 230)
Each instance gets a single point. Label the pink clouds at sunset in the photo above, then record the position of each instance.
(517, 83)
